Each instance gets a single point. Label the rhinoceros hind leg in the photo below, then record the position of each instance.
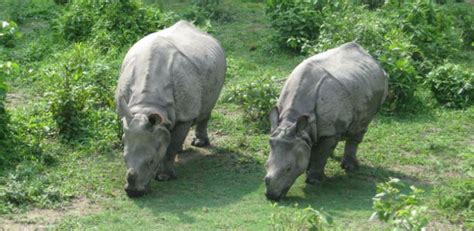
(201, 139)
(349, 161)
(319, 156)
(166, 170)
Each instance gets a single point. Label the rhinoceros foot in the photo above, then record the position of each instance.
(349, 164)
(200, 142)
(166, 176)
(315, 179)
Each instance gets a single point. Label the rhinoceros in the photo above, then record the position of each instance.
(169, 81)
(329, 97)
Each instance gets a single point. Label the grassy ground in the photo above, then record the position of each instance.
(222, 188)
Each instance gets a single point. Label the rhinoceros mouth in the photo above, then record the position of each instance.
(277, 196)
(134, 193)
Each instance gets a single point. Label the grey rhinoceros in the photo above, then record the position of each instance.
(169, 81)
(329, 97)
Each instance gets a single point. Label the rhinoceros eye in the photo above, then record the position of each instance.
(288, 169)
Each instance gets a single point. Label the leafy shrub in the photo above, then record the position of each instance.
(432, 30)
(403, 211)
(452, 85)
(81, 82)
(372, 4)
(464, 15)
(303, 219)
(256, 98)
(110, 23)
(202, 11)
(8, 33)
(77, 22)
(456, 201)
(22, 10)
(295, 20)
(408, 38)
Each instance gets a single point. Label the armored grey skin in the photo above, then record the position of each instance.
(329, 97)
(169, 81)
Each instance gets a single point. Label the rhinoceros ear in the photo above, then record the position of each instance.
(156, 119)
(301, 124)
(124, 110)
(274, 117)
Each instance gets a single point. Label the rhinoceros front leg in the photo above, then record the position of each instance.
(201, 139)
(349, 161)
(319, 157)
(166, 170)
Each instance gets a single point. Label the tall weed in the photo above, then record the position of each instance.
(110, 24)
(403, 211)
(303, 219)
(452, 85)
(257, 99)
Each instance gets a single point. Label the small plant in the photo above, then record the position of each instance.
(403, 211)
(256, 98)
(26, 186)
(452, 85)
(8, 33)
(303, 219)
(6, 69)
(456, 201)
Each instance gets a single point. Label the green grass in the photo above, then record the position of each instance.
(222, 187)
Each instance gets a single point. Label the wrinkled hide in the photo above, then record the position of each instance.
(339, 91)
(168, 81)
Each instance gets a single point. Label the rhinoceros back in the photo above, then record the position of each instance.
(178, 72)
(343, 88)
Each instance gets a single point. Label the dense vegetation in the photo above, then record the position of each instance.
(410, 38)
(59, 135)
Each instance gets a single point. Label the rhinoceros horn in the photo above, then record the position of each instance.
(125, 110)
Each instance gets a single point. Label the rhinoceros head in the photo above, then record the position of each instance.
(289, 155)
(145, 142)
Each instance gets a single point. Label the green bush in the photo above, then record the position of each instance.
(295, 20)
(22, 11)
(464, 15)
(391, 46)
(433, 31)
(110, 23)
(8, 33)
(452, 85)
(81, 82)
(408, 38)
(257, 98)
(76, 23)
(202, 11)
(403, 211)
(371, 4)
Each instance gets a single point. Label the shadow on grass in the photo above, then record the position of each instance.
(220, 177)
(208, 178)
(347, 192)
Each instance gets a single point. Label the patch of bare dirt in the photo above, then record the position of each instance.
(44, 219)
(16, 98)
